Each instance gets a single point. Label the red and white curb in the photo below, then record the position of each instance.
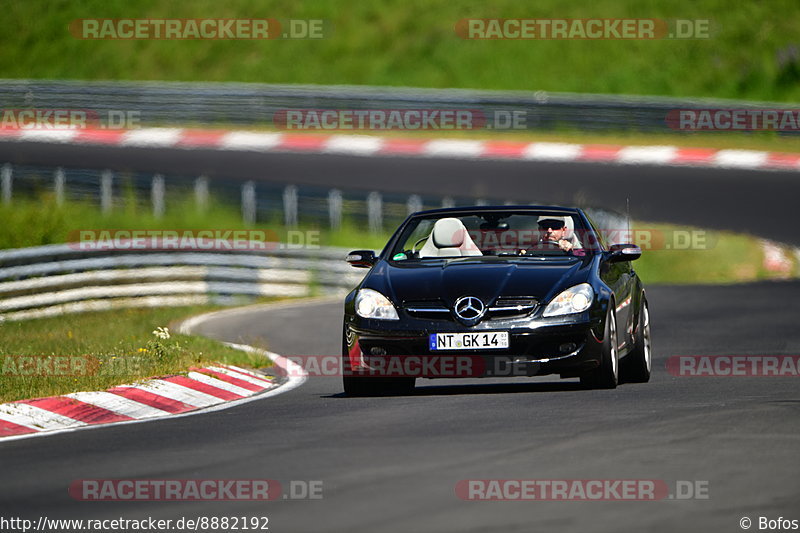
(201, 390)
(370, 145)
(777, 258)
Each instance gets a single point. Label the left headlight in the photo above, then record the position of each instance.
(372, 304)
(573, 300)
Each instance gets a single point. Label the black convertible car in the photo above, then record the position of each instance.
(495, 291)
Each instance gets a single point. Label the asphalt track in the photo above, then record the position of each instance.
(760, 202)
(392, 463)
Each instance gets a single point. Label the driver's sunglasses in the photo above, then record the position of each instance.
(551, 225)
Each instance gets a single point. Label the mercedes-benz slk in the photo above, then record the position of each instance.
(495, 291)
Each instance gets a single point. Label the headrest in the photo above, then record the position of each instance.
(448, 233)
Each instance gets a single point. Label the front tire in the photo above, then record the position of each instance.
(606, 376)
(366, 385)
(353, 385)
(357, 386)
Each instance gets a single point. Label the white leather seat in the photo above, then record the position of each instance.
(449, 238)
(570, 233)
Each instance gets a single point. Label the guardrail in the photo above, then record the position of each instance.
(258, 202)
(56, 279)
(159, 103)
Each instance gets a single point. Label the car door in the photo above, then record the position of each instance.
(620, 278)
(624, 297)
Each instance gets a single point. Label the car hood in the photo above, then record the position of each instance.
(487, 279)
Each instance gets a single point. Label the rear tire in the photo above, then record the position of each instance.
(637, 365)
(606, 376)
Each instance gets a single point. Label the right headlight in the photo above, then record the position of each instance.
(372, 304)
(573, 300)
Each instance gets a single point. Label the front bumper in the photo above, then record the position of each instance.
(568, 346)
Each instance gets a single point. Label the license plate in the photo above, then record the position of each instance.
(487, 340)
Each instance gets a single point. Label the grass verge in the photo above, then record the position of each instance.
(712, 257)
(97, 350)
(40, 221)
(750, 52)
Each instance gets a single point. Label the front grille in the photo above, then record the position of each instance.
(429, 309)
(503, 307)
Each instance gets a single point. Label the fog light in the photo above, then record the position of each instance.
(567, 347)
(376, 350)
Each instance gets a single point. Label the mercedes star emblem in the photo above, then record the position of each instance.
(469, 309)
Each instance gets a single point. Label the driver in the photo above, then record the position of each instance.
(553, 229)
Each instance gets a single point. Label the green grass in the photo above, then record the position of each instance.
(413, 43)
(40, 221)
(722, 257)
(104, 349)
(351, 235)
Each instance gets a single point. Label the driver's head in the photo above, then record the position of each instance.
(552, 228)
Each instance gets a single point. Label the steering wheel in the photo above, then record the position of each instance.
(549, 244)
(414, 248)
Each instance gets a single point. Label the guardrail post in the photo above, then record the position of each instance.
(375, 212)
(157, 195)
(413, 204)
(249, 203)
(290, 206)
(448, 202)
(335, 208)
(59, 180)
(201, 194)
(106, 198)
(6, 176)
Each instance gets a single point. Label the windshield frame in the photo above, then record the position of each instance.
(404, 231)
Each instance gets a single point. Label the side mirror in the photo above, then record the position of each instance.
(624, 252)
(361, 258)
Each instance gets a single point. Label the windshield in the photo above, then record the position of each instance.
(492, 233)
